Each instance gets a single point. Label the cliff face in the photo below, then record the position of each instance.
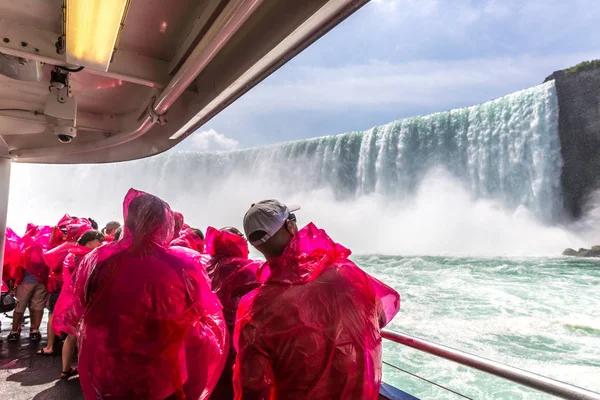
(578, 93)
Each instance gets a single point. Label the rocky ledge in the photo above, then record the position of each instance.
(593, 252)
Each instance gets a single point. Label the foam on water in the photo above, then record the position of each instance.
(535, 313)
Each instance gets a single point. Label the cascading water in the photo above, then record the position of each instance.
(507, 149)
(478, 181)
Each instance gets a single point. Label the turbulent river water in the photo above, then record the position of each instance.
(460, 211)
(538, 313)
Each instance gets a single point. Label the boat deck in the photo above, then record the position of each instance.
(26, 376)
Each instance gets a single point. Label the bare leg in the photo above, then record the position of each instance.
(36, 319)
(67, 352)
(17, 321)
(50, 345)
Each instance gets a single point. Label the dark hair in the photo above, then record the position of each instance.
(232, 229)
(198, 232)
(117, 234)
(111, 227)
(90, 236)
(94, 223)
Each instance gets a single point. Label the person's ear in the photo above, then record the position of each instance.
(289, 226)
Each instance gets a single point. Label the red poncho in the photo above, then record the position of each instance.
(179, 223)
(312, 330)
(65, 318)
(189, 239)
(68, 229)
(12, 270)
(232, 276)
(35, 241)
(151, 328)
(54, 258)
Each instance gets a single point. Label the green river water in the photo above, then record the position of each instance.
(539, 314)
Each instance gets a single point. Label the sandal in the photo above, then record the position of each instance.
(35, 336)
(42, 352)
(69, 373)
(14, 337)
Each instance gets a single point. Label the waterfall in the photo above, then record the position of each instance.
(504, 151)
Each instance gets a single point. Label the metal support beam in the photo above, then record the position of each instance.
(205, 12)
(4, 188)
(228, 23)
(35, 44)
(325, 19)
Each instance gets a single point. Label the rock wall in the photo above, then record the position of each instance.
(579, 129)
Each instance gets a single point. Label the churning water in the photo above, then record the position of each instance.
(481, 182)
(537, 313)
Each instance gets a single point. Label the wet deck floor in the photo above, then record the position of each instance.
(25, 375)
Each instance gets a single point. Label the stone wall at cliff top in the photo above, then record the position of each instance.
(578, 91)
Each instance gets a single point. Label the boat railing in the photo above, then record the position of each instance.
(517, 375)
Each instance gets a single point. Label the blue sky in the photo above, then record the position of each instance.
(399, 58)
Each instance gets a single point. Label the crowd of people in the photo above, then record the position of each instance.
(157, 310)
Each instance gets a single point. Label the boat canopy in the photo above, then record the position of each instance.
(96, 81)
(99, 81)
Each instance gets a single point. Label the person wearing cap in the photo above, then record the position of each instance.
(110, 229)
(312, 329)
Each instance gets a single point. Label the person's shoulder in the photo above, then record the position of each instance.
(182, 252)
(248, 307)
(343, 270)
(183, 257)
(263, 300)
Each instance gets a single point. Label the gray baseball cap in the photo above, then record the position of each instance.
(267, 216)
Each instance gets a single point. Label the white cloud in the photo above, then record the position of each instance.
(400, 58)
(420, 83)
(212, 140)
(498, 9)
(469, 15)
(387, 5)
(405, 9)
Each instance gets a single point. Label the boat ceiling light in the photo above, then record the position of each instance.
(92, 31)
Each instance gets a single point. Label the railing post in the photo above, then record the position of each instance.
(5, 163)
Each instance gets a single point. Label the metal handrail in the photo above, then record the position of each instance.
(526, 378)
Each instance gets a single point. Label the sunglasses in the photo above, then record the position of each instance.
(292, 217)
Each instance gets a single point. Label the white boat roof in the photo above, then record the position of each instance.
(178, 63)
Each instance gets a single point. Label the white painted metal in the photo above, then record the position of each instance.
(4, 188)
(155, 28)
(526, 378)
(232, 18)
(127, 66)
(207, 10)
(311, 29)
(228, 23)
(213, 49)
(11, 124)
